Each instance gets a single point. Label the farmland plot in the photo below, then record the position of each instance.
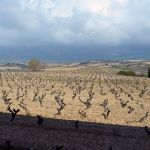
(90, 94)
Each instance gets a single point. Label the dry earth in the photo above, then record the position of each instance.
(101, 100)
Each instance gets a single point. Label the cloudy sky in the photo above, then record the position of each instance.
(91, 25)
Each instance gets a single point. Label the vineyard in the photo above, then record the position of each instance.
(89, 94)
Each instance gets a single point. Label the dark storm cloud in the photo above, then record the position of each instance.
(74, 24)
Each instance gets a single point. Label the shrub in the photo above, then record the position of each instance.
(127, 73)
(33, 65)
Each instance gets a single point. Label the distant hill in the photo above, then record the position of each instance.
(72, 54)
(15, 65)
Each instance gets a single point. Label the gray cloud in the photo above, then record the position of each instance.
(74, 22)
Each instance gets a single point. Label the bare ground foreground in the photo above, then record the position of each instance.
(112, 110)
